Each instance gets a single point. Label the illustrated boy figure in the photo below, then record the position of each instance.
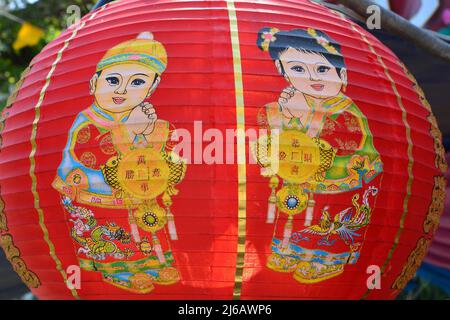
(116, 221)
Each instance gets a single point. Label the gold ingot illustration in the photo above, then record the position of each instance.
(299, 156)
(143, 174)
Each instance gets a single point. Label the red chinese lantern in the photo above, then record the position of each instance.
(119, 178)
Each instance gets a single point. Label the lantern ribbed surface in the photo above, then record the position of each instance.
(93, 185)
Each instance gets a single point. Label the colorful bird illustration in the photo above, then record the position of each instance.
(346, 223)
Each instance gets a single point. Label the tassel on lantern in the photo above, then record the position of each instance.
(133, 227)
(171, 225)
(158, 249)
(309, 212)
(271, 211)
(287, 232)
(272, 200)
(167, 200)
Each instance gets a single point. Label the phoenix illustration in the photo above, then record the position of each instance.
(346, 223)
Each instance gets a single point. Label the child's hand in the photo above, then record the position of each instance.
(142, 119)
(285, 96)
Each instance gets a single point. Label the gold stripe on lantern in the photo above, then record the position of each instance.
(410, 155)
(37, 116)
(241, 149)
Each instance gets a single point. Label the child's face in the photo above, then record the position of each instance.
(312, 74)
(122, 87)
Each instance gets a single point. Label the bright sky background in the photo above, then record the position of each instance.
(20, 3)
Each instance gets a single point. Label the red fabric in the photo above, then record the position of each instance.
(92, 148)
(343, 133)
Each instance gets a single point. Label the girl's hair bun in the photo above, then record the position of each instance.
(276, 42)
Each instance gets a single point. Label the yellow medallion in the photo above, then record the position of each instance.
(299, 156)
(143, 173)
(150, 218)
(292, 200)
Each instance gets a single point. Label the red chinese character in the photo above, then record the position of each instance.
(129, 174)
(141, 160)
(144, 187)
(156, 172)
(307, 157)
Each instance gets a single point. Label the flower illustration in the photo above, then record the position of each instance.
(322, 41)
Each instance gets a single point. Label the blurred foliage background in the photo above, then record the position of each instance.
(49, 15)
(421, 289)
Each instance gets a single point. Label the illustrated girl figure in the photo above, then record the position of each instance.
(118, 174)
(322, 193)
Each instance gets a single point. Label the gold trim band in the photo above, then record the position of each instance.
(37, 116)
(410, 154)
(241, 150)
